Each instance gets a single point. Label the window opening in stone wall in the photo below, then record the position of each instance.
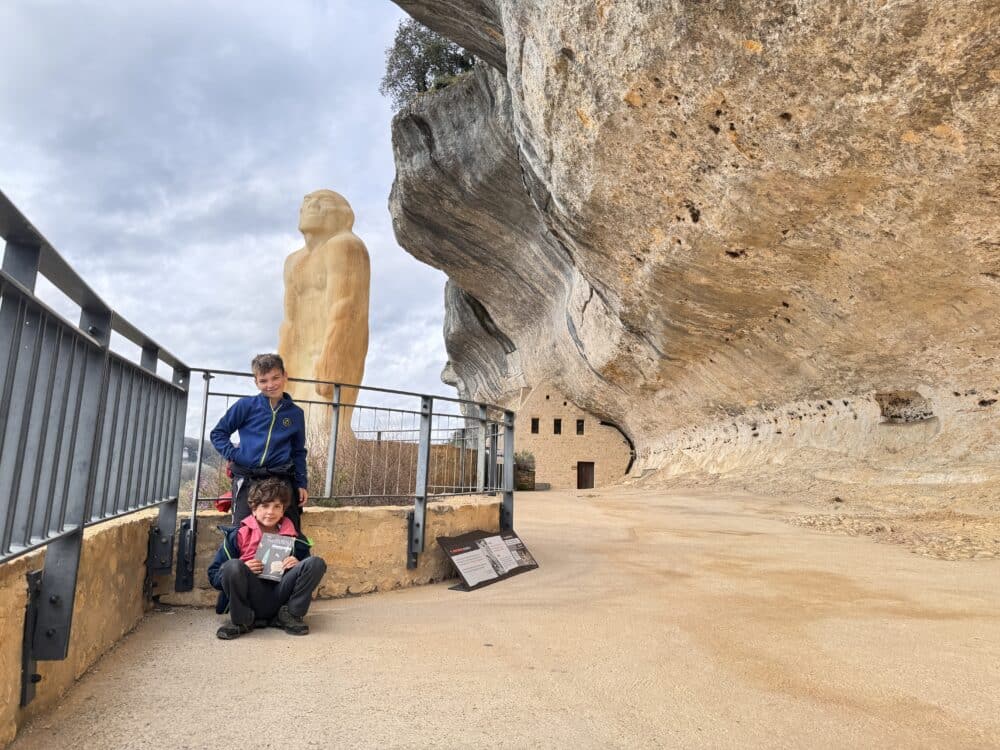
(534, 425)
(557, 427)
(579, 427)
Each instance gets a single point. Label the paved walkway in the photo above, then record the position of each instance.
(654, 621)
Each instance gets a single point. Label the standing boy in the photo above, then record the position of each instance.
(272, 439)
(235, 569)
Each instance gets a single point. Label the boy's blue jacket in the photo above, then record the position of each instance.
(269, 438)
(229, 551)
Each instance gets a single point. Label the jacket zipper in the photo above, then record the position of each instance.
(267, 443)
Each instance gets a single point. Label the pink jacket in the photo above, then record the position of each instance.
(250, 533)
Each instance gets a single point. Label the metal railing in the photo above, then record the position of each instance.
(372, 446)
(88, 435)
(85, 434)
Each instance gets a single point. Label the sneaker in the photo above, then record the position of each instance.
(291, 624)
(232, 630)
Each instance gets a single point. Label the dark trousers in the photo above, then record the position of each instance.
(241, 506)
(251, 598)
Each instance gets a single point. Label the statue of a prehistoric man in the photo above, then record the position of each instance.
(324, 335)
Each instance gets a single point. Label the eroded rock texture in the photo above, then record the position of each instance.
(694, 217)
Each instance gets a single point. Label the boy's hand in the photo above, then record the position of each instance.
(303, 497)
(256, 566)
(289, 562)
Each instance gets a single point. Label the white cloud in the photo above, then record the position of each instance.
(165, 152)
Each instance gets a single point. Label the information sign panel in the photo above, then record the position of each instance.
(485, 557)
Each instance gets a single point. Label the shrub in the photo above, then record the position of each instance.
(420, 60)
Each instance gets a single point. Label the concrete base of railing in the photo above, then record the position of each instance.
(365, 550)
(109, 603)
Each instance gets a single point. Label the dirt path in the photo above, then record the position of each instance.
(655, 620)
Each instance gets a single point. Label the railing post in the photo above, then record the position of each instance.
(331, 451)
(507, 506)
(18, 326)
(62, 557)
(21, 262)
(494, 429)
(148, 358)
(29, 666)
(461, 460)
(481, 452)
(418, 516)
(160, 555)
(188, 536)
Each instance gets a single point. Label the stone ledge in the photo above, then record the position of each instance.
(364, 547)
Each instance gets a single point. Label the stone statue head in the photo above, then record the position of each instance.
(325, 211)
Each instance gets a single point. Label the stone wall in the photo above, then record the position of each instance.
(109, 603)
(557, 456)
(364, 548)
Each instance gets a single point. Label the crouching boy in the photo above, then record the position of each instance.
(234, 571)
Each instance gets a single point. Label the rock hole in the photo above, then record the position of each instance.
(785, 304)
(732, 126)
(569, 54)
(786, 116)
(738, 253)
(718, 112)
(714, 128)
(903, 407)
(987, 401)
(695, 213)
(673, 134)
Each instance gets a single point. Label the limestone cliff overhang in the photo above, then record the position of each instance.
(690, 214)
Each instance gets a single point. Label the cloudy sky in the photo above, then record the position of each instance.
(164, 149)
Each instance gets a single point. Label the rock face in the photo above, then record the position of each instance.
(698, 219)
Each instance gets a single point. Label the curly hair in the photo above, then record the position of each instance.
(270, 489)
(264, 363)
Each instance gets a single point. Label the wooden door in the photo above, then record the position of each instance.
(584, 475)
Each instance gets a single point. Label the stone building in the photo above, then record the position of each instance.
(573, 449)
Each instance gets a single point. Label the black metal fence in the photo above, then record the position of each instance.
(88, 435)
(373, 446)
(85, 434)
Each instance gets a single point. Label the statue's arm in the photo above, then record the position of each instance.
(286, 330)
(346, 331)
